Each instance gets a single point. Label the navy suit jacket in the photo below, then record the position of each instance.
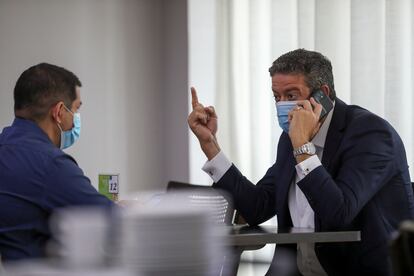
(363, 184)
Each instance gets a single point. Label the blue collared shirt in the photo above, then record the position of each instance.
(36, 178)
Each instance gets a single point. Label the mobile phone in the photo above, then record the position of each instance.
(323, 100)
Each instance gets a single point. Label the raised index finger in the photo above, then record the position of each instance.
(194, 98)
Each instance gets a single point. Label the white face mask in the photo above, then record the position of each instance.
(69, 137)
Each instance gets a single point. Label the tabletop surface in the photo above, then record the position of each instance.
(248, 235)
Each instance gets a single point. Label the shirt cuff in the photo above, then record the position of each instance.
(306, 166)
(217, 166)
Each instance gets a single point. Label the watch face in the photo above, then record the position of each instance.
(310, 149)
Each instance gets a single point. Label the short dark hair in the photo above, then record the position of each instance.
(41, 86)
(315, 67)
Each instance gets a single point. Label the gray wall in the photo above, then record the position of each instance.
(175, 89)
(131, 56)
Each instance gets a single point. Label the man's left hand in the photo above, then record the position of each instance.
(304, 122)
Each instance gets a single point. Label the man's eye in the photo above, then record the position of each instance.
(292, 97)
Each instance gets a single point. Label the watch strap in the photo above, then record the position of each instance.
(307, 148)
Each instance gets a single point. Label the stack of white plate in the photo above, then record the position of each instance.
(45, 268)
(172, 237)
(81, 236)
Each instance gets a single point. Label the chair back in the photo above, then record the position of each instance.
(402, 250)
(208, 197)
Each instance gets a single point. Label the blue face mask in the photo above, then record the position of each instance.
(69, 137)
(283, 108)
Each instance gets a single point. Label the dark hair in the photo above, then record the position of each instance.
(41, 86)
(315, 67)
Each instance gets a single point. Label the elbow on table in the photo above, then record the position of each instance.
(341, 219)
(251, 219)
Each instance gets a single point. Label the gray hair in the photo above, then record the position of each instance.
(315, 67)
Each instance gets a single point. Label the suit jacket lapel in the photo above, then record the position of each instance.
(335, 133)
(286, 179)
(333, 140)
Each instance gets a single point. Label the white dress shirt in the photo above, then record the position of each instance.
(301, 213)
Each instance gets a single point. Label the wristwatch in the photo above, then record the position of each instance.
(308, 148)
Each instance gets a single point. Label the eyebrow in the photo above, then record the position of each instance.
(288, 91)
(293, 91)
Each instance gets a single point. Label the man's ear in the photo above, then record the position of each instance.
(325, 89)
(56, 112)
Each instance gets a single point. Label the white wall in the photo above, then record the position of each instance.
(121, 51)
(202, 72)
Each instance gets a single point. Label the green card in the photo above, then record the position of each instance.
(109, 185)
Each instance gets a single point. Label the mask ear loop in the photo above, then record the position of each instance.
(70, 111)
(59, 124)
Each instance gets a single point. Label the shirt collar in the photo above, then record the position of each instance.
(31, 128)
(320, 137)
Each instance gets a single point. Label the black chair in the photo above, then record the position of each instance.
(223, 213)
(402, 250)
(206, 196)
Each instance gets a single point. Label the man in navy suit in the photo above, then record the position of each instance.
(344, 170)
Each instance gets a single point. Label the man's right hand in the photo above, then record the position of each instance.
(203, 122)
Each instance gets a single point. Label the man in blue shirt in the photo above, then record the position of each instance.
(36, 176)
